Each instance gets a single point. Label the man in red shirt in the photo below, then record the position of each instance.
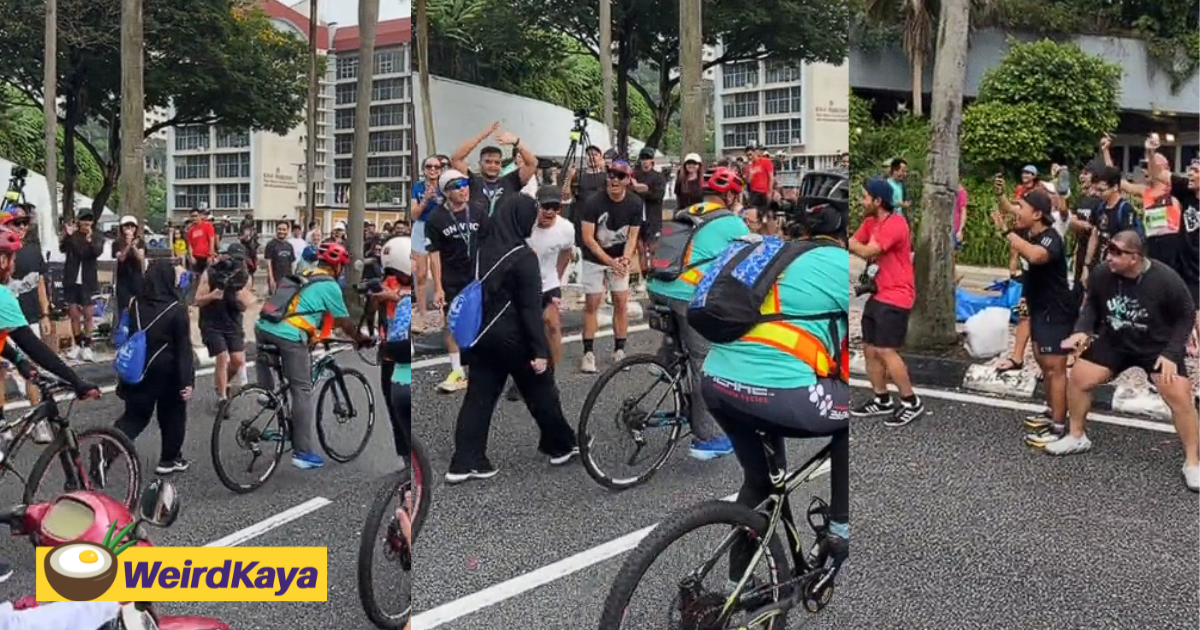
(201, 239)
(761, 174)
(884, 241)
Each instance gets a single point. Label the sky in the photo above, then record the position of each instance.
(345, 12)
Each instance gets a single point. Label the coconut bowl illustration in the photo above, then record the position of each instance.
(82, 571)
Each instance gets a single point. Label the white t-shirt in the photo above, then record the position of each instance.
(547, 243)
(298, 247)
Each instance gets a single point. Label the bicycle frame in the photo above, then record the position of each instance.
(48, 410)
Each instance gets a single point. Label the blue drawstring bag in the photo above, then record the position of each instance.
(131, 363)
(465, 319)
(121, 335)
(397, 343)
(967, 303)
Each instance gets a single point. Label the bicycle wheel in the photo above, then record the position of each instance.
(701, 609)
(341, 417)
(382, 531)
(254, 421)
(422, 491)
(632, 421)
(106, 447)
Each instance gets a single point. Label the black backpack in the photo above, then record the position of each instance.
(282, 304)
(675, 242)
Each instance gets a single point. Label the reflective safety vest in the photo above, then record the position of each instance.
(315, 335)
(798, 342)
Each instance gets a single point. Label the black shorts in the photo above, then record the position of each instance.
(649, 232)
(78, 295)
(884, 325)
(1048, 335)
(1106, 355)
(200, 265)
(218, 341)
(550, 296)
(451, 293)
(759, 200)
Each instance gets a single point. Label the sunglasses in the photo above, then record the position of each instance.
(431, 167)
(20, 223)
(551, 207)
(1117, 250)
(457, 184)
(617, 175)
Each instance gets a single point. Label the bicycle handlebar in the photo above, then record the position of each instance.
(50, 385)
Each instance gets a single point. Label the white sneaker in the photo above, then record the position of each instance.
(456, 381)
(87, 355)
(587, 364)
(1069, 445)
(1191, 477)
(618, 356)
(72, 353)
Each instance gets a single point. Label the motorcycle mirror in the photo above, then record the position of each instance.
(159, 504)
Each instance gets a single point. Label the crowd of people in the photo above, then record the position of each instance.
(1124, 296)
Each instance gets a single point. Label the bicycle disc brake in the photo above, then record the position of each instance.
(699, 610)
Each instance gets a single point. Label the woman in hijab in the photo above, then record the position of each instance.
(170, 375)
(513, 344)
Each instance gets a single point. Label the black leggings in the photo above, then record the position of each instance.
(744, 411)
(141, 402)
(399, 408)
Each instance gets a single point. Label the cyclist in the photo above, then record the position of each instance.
(313, 308)
(754, 385)
(395, 368)
(721, 189)
(14, 328)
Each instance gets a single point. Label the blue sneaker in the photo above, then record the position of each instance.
(307, 459)
(711, 448)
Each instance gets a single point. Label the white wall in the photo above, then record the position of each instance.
(461, 111)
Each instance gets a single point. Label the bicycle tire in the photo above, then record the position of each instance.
(677, 526)
(49, 456)
(393, 485)
(585, 443)
(214, 444)
(347, 374)
(422, 475)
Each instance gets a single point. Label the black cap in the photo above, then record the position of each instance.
(611, 154)
(549, 194)
(1040, 200)
(592, 147)
(646, 153)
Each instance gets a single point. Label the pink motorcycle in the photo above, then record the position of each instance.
(87, 517)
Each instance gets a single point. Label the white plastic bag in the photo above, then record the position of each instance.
(987, 332)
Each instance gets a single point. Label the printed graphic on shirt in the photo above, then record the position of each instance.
(1126, 313)
(21, 286)
(1191, 219)
(608, 238)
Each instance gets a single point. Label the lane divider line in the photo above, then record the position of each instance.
(283, 518)
(443, 359)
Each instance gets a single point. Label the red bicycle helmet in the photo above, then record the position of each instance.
(12, 212)
(9, 241)
(722, 179)
(333, 253)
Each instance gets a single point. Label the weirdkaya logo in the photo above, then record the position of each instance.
(84, 571)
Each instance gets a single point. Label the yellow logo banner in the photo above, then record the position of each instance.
(85, 572)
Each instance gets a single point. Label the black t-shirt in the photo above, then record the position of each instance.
(1111, 220)
(282, 256)
(1147, 316)
(130, 271)
(1047, 292)
(1087, 210)
(455, 237)
(1189, 226)
(29, 266)
(653, 198)
(485, 195)
(589, 184)
(613, 221)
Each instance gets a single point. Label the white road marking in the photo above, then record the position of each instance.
(444, 359)
(283, 518)
(1002, 403)
(509, 589)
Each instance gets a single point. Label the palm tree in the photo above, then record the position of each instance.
(918, 19)
(368, 20)
(423, 74)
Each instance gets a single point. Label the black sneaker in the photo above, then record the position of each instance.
(486, 471)
(167, 467)
(565, 458)
(906, 413)
(874, 408)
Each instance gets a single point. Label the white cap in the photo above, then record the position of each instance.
(129, 219)
(448, 176)
(692, 157)
(397, 254)
(340, 225)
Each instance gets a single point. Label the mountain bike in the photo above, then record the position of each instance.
(807, 579)
(335, 408)
(639, 416)
(106, 445)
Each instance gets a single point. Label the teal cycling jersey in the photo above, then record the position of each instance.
(402, 374)
(816, 282)
(322, 298)
(708, 243)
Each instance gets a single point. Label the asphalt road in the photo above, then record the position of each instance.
(338, 497)
(955, 525)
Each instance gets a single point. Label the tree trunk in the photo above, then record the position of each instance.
(69, 129)
(110, 168)
(50, 104)
(132, 128)
(423, 72)
(309, 212)
(368, 20)
(625, 56)
(606, 68)
(691, 87)
(932, 327)
(918, 84)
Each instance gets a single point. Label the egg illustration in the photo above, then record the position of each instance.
(81, 571)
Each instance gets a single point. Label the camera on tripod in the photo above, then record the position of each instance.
(866, 281)
(16, 184)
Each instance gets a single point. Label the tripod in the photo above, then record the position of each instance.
(575, 156)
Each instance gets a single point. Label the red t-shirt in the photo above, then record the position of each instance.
(760, 175)
(895, 280)
(200, 237)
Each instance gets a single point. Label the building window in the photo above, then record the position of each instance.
(777, 101)
(387, 116)
(740, 134)
(347, 67)
(192, 167)
(342, 169)
(1187, 153)
(736, 75)
(192, 196)
(385, 167)
(228, 196)
(344, 119)
(741, 105)
(797, 100)
(343, 144)
(778, 133)
(341, 194)
(232, 139)
(346, 93)
(192, 138)
(389, 61)
(388, 142)
(233, 165)
(782, 71)
(388, 90)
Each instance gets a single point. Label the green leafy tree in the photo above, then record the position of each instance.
(217, 62)
(22, 141)
(997, 136)
(1075, 94)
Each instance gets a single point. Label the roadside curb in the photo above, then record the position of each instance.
(966, 375)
